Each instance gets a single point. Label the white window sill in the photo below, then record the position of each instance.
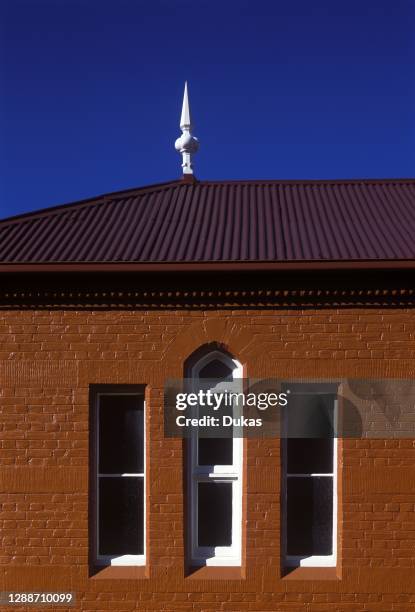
(122, 560)
(217, 562)
(312, 561)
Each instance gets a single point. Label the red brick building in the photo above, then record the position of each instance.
(104, 300)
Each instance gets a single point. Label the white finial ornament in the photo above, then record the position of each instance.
(187, 144)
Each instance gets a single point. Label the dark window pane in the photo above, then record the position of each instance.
(309, 455)
(216, 369)
(121, 434)
(310, 516)
(310, 416)
(121, 516)
(215, 451)
(215, 514)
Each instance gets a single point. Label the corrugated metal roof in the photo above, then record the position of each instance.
(226, 221)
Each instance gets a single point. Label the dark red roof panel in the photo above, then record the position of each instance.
(223, 221)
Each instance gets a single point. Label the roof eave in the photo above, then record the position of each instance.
(209, 266)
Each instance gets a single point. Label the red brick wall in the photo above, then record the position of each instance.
(49, 359)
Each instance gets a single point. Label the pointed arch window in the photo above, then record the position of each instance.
(215, 472)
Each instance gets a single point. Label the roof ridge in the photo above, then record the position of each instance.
(342, 181)
(154, 187)
(99, 199)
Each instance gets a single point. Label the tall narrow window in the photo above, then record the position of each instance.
(215, 473)
(120, 477)
(309, 479)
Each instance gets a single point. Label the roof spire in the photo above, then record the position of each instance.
(187, 143)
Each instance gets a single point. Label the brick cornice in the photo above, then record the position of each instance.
(206, 298)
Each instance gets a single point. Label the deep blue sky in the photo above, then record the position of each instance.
(91, 91)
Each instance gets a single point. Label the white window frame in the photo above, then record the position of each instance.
(119, 560)
(311, 560)
(219, 555)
